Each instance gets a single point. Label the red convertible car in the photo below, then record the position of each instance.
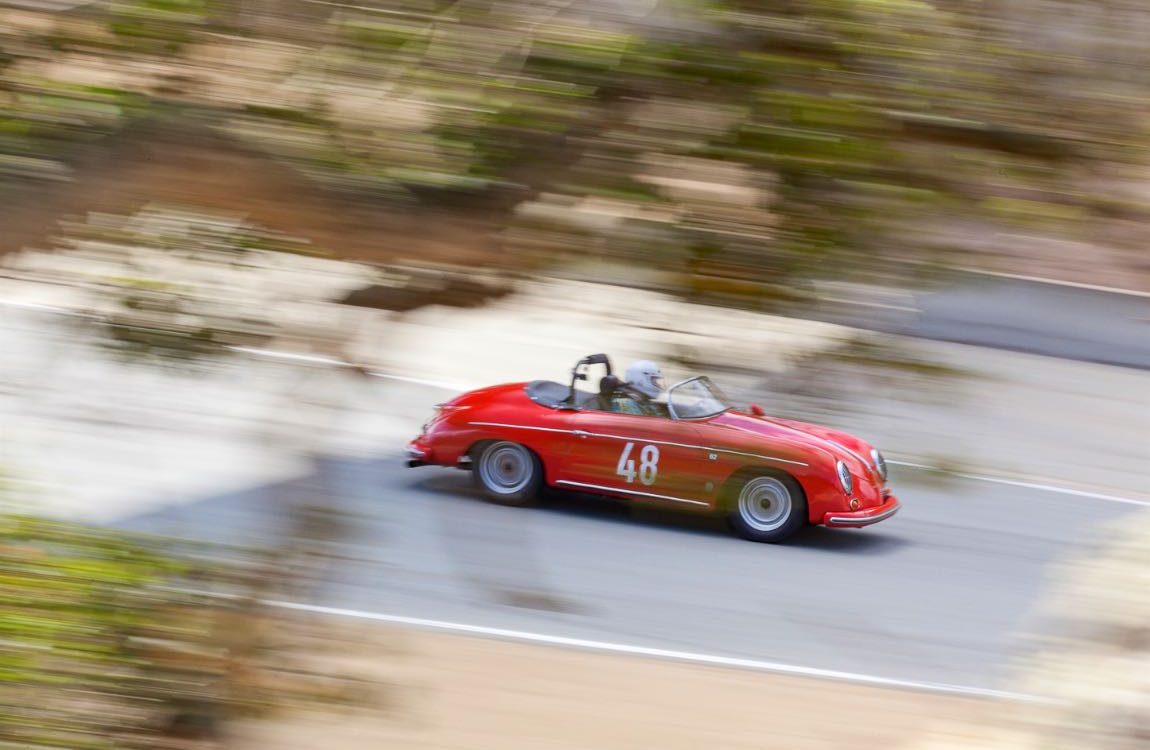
(691, 449)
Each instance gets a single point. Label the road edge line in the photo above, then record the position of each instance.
(1028, 485)
(665, 654)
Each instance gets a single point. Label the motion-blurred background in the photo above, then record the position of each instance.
(245, 247)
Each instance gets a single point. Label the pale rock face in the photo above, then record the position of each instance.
(597, 215)
(705, 181)
(87, 71)
(253, 57)
(22, 22)
(379, 109)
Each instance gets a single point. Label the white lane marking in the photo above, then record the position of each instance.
(1056, 282)
(432, 383)
(629, 492)
(292, 356)
(1032, 485)
(36, 306)
(317, 359)
(861, 303)
(66, 312)
(682, 656)
(639, 439)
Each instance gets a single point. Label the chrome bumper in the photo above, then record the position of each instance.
(415, 456)
(857, 518)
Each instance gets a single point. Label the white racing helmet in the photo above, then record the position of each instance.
(645, 377)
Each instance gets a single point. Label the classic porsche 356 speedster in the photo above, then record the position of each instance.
(690, 448)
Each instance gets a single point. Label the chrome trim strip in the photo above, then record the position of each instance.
(642, 440)
(521, 427)
(867, 521)
(629, 492)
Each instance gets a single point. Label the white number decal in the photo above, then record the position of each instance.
(626, 466)
(648, 464)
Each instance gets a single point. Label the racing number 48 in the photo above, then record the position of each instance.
(648, 464)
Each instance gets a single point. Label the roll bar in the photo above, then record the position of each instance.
(579, 372)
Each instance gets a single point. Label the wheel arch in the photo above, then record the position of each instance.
(729, 490)
(471, 453)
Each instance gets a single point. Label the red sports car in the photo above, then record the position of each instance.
(691, 449)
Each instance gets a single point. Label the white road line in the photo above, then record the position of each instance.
(1033, 485)
(296, 357)
(34, 306)
(862, 303)
(66, 312)
(431, 383)
(659, 653)
(291, 356)
(1057, 282)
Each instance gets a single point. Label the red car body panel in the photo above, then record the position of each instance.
(694, 459)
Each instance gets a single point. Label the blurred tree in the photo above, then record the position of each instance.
(68, 598)
(750, 144)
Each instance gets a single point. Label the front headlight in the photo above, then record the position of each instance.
(879, 463)
(845, 478)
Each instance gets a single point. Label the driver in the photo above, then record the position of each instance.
(646, 378)
(638, 394)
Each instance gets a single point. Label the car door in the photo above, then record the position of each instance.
(645, 458)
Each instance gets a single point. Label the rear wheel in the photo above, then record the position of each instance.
(508, 473)
(767, 507)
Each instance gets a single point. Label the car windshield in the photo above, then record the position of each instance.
(696, 398)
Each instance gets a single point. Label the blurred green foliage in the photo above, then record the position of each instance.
(69, 597)
(160, 27)
(110, 639)
(850, 122)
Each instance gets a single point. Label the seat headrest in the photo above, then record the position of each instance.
(609, 384)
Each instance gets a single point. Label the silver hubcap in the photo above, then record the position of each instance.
(505, 468)
(765, 503)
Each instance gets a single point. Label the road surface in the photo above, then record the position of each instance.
(939, 593)
(1055, 320)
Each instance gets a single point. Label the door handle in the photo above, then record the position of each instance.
(581, 433)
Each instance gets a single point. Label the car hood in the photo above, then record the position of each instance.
(842, 445)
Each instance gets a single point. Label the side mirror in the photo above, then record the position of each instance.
(757, 410)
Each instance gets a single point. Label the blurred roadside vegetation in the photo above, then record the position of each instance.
(746, 147)
(112, 639)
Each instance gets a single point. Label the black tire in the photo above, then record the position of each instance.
(508, 473)
(766, 506)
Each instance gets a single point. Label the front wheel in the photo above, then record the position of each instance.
(508, 473)
(768, 508)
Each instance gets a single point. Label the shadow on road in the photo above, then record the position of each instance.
(851, 541)
(608, 510)
(430, 534)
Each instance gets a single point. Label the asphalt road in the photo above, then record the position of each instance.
(1077, 323)
(936, 594)
(939, 593)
